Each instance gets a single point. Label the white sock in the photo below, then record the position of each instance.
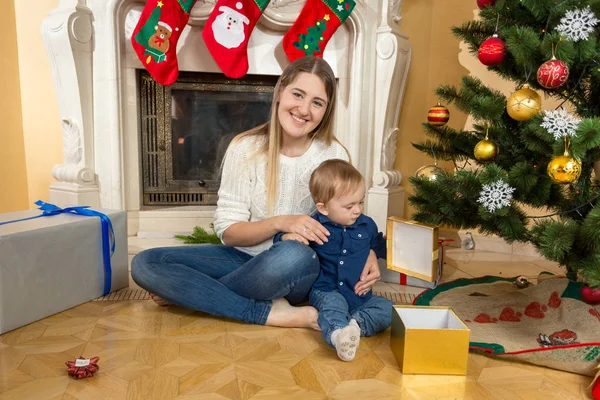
(346, 341)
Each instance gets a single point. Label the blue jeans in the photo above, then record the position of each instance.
(224, 281)
(373, 316)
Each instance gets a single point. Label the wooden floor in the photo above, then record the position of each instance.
(151, 352)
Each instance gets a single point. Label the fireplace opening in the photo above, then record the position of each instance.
(186, 128)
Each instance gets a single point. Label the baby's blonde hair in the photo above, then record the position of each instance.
(334, 178)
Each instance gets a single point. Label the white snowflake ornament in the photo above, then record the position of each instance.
(495, 195)
(577, 24)
(560, 123)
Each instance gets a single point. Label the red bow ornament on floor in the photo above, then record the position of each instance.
(82, 367)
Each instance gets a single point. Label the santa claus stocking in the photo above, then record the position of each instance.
(227, 31)
(155, 37)
(315, 25)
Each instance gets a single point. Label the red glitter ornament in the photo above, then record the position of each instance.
(589, 295)
(492, 51)
(553, 73)
(438, 115)
(82, 367)
(485, 3)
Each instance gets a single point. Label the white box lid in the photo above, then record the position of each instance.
(412, 248)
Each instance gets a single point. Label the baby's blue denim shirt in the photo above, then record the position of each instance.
(343, 257)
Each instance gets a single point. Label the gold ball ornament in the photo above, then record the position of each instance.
(564, 169)
(486, 151)
(524, 104)
(431, 172)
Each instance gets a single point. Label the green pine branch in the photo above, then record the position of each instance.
(200, 236)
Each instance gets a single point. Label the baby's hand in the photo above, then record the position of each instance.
(294, 236)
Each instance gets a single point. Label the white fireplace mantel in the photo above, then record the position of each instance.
(94, 70)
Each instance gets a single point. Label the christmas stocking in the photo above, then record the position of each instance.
(315, 25)
(154, 39)
(227, 31)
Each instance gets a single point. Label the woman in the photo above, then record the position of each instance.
(264, 191)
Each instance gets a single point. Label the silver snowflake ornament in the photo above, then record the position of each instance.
(495, 195)
(577, 24)
(560, 123)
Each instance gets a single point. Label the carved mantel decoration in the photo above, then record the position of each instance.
(95, 74)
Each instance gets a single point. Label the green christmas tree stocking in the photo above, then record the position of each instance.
(155, 37)
(315, 25)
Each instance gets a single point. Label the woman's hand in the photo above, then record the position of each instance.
(303, 226)
(369, 276)
(294, 236)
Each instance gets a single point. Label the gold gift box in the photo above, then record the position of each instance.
(429, 340)
(412, 248)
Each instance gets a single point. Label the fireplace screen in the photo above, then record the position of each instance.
(186, 128)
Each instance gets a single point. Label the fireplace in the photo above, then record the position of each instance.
(98, 83)
(185, 129)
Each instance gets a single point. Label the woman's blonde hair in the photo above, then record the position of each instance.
(273, 129)
(334, 178)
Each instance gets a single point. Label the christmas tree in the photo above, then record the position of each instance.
(521, 156)
(309, 42)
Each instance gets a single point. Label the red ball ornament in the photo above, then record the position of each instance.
(589, 295)
(438, 115)
(485, 3)
(553, 73)
(596, 388)
(492, 51)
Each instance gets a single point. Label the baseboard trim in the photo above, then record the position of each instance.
(141, 294)
(490, 243)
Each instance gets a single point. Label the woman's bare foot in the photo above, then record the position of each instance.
(159, 300)
(284, 315)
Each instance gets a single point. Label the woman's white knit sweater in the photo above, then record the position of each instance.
(242, 195)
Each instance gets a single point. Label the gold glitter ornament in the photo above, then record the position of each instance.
(486, 150)
(523, 104)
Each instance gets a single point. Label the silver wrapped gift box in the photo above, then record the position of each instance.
(53, 263)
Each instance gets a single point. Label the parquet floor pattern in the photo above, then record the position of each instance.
(150, 352)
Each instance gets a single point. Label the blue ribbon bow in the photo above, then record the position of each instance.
(108, 234)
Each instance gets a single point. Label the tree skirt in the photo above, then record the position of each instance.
(545, 324)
